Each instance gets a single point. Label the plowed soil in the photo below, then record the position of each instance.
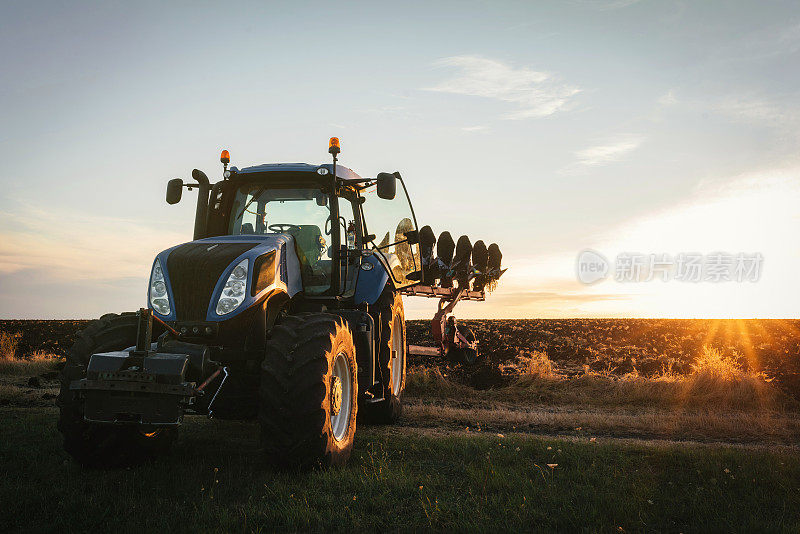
(620, 346)
(612, 346)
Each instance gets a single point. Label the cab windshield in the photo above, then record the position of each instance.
(302, 213)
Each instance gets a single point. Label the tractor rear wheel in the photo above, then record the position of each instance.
(97, 445)
(392, 351)
(309, 392)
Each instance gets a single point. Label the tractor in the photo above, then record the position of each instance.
(286, 308)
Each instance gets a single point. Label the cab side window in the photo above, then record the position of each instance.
(392, 222)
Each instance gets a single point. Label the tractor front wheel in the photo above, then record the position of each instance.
(309, 392)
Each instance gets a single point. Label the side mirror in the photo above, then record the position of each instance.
(387, 185)
(174, 191)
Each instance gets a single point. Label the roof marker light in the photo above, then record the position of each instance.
(333, 146)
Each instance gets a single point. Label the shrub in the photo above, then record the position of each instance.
(8, 344)
(538, 364)
(530, 364)
(37, 363)
(720, 381)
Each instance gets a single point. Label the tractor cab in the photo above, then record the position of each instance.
(338, 222)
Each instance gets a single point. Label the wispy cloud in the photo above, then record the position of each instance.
(535, 93)
(765, 42)
(668, 99)
(69, 247)
(603, 154)
(55, 263)
(474, 128)
(757, 110)
(401, 112)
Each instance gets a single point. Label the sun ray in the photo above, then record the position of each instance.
(711, 333)
(747, 345)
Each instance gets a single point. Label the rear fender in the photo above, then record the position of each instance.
(362, 326)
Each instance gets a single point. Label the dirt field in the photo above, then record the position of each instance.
(612, 346)
(617, 347)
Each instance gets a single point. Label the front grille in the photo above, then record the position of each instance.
(194, 269)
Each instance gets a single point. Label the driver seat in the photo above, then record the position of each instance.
(307, 237)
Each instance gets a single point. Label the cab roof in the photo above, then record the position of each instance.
(342, 172)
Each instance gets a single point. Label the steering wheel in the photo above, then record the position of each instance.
(328, 224)
(282, 227)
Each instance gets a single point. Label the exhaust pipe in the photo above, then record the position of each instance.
(201, 215)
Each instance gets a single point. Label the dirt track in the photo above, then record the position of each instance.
(589, 424)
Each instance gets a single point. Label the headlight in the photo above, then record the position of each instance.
(234, 291)
(159, 299)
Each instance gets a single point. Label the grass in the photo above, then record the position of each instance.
(536, 363)
(8, 344)
(398, 480)
(16, 375)
(717, 400)
(714, 383)
(720, 381)
(32, 365)
(35, 365)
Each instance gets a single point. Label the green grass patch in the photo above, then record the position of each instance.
(215, 481)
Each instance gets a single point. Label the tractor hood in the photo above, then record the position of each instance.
(195, 273)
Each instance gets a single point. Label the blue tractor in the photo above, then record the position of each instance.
(286, 308)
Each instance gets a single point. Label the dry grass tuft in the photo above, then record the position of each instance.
(8, 344)
(716, 383)
(30, 381)
(719, 381)
(422, 380)
(537, 364)
(34, 365)
(713, 363)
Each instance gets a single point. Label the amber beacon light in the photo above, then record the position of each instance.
(333, 146)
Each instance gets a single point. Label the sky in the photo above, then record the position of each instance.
(622, 127)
